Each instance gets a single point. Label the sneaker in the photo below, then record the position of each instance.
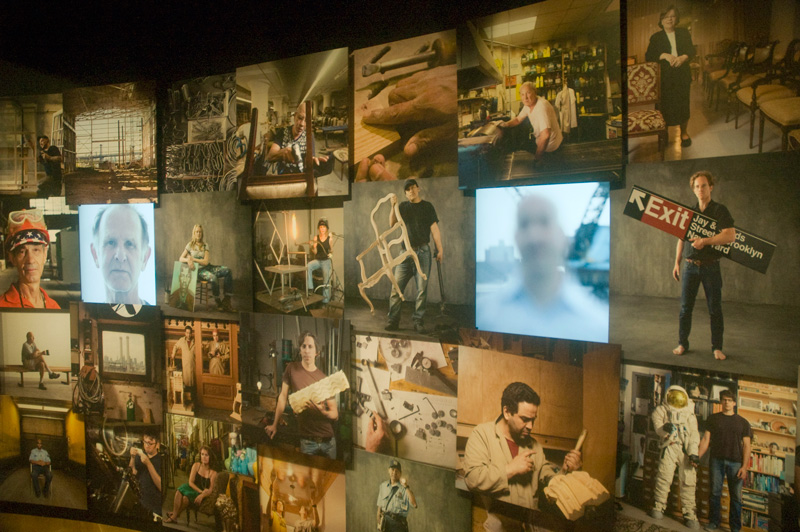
(54, 375)
(710, 527)
(392, 327)
(692, 523)
(419, 327)
(656, 514)
(42, 386)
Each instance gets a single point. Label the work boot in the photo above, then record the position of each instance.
(391, 326)
(226, 303)
(42, 386)
(419, 327)
(54, 375)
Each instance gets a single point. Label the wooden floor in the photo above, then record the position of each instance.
(66, 490)
(87, 186)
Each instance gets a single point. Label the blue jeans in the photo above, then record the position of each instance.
(711, 279)
(725, 468)
(403, 273)
(211, 274)
(327, 448)
(325, 266)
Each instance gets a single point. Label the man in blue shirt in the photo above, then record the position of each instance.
(40, 465)
(394, 500)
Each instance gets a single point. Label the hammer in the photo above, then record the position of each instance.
(441, 53)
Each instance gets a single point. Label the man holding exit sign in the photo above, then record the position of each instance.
(701, 265)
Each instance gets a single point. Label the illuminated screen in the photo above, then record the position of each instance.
(117, 264)
(542, 257)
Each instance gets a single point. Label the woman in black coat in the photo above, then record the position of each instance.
(672, 48)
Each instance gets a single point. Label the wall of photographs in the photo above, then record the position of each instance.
(444, 281)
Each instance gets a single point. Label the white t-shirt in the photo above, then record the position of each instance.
(672, 44)
(542, 117)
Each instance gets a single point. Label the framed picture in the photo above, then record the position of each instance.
(124, 353)
(184, 286)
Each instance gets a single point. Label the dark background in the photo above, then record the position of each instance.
(48, 47)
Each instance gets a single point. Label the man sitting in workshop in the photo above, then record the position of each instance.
(284, 149)
(503, 460)
(542, 119)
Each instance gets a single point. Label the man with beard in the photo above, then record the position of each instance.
(503, 461)
(542, 299)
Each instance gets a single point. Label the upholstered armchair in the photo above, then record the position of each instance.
(644, 89)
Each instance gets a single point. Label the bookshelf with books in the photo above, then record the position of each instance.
(771, 411)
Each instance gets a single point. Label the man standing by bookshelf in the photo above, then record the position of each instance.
(728, 437)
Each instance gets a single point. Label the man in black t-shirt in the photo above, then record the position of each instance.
(145, 464)
(50, 157)
(422, 223)
(701, 266)
(728, 436)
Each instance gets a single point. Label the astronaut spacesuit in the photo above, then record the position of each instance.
(676, 425)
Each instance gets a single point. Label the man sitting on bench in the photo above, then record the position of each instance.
(33, 360)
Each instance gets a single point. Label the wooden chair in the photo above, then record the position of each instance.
(755, 68)
(644, 88)
(273, 186)
(201, 297)
(728, 57)
(781, 82)
(784, 112)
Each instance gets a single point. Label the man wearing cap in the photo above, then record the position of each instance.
(422, 223)
(120, 249)
(27, 241)
(321, 251)
(33, 360)
(394, 501)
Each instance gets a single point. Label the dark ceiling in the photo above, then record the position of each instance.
(50, 47)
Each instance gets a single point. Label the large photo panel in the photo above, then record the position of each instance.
(293, 115)
(35, 145)
(724, 89)
(702, 426)
(438, 224)
(201, 142)
(752, 314)
(542, 259)
(115, 143)
(206, 238)
(539, 95)
(292, 372)
(404, 108)
(530, 412)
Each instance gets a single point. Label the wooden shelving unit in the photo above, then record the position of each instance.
(771, 411)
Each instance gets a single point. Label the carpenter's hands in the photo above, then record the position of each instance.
(428, 101)
(374, 170)
(376, 432)
(572, 462)
(521, 464)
